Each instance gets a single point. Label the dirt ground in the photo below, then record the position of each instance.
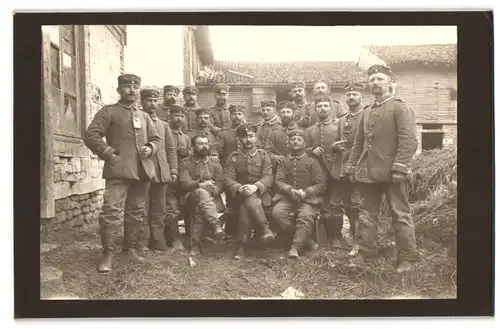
(263, 273)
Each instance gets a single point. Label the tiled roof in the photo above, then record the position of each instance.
(285, 72)
(440, 54)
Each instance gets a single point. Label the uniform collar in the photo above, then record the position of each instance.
(224, 107)
(383, 100)
(350, 114)
(165, 107)
(271, 121)
(288, 127)
(194, 107)
(177, 131)
(130, 107)
(303, 105)
(198, 159)
(327, 122)
(298, 157)
(234, 129)
(246, 155)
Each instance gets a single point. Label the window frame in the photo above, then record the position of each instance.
(58, 129)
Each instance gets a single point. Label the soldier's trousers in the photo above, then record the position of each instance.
(152, 228)
(129, 197)
(297, 220)
(173, 215)
(344, 197)
(205, 212)
(399, 208)
(251, 209)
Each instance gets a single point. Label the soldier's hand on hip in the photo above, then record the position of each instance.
(397, 177)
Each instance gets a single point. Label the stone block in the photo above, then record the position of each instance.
(60, 217)
(72, 178)
(66, 204)
(75, 205)
(57, 177)
(93, 206)
(87, 218)
(86, 209)
(77, 212)
(57, 160)
(69, 215)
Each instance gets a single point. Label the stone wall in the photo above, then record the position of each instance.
(78, 211)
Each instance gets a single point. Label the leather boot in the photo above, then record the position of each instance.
(177, 245)
(333, 225)
(218, 232)
(105, 263)
(312, 245)
(300, 238)
(293, 253)
(134, 255)
(239, 252)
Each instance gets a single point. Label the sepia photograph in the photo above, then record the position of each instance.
(248, 162)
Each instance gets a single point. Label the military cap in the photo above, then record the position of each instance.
(236, 108)
(203, 110)
(319, 82)
(354, 86)
(297, 132)
(380, 69)
(149, 93)
(190, 90)
(221, 88)
(243, 130)
(287, 104)
(168, 88)
(268, 102)
(129, 79)
(322, 98)
(298, 84)
(174, 108)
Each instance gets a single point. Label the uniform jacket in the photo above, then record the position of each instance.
(348, 126)
(249, 168)
(115, 122)
(220, 118)
(196, 170)
(336, 108)
(385, 142)
(211, 137)
(323, 134)
(191, 121)
(163, 112)
(277, 142)
(303, 115)
(182, 144)
(300, 172)
(165, 159)
(264, 129)
(227, 143)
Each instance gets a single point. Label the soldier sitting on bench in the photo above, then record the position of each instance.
(249, 176)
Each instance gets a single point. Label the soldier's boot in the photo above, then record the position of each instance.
(209, 211)
(403, 266)
(312, 245)
(239, 252)
(299, 240)
(218, 232)
(177, 245)
(133, 240)
(105, 263)
(353, 222)
(107, 240)
(333, 228)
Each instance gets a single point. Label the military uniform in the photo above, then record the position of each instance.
(220, 115)
(165, 164)
(277, 142)
(127, 175)
(385, 144)
(228, 142)
(336, 105)
(205, 131)
(298, 172)
(204, 204)
(302, 113)
(183, 147)
(191, 122)
(163, 110)
(264, 128)
(255, 168)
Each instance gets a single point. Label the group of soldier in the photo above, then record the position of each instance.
(303, 162)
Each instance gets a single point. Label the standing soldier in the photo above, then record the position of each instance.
(131, 139)
(163, 110)
(277, 145)
(220, 112)
(380, 160)
(304, 110)
(249, 176)
(320, 137)
(183, 146)
(270, 120)
(202, 128)
(345, 196)
(300, 182)
(165, 164)
(322, 88)
(190, 94)
(202, 180)
(228, 142)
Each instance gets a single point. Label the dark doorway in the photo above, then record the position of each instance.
(432, 140)
(283, 95)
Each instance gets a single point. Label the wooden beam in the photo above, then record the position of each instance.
(47, 201)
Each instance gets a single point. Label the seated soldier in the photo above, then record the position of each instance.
(202, 179)
(248, 178)
(300, 183)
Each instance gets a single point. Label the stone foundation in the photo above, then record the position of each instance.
(77, 211)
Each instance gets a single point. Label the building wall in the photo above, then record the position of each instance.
(77, 172)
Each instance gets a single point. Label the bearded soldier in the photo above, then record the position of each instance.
(163, 110)
(300, 183)
(202, 128)
(322, 88)
(385, 144)
(190, 94)
(249, 176)
(131, 140)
